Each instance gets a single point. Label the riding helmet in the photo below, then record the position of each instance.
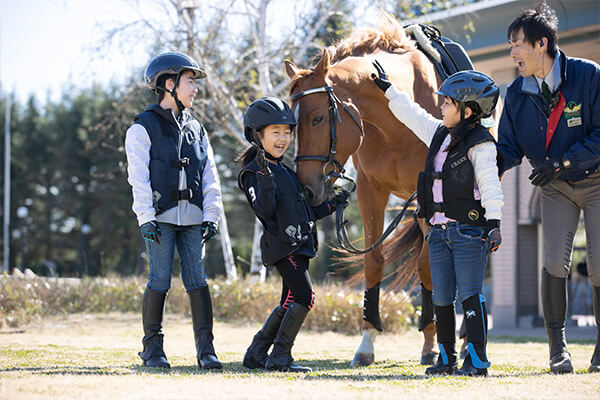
(266, 111)
(172, 63)
(472, 87)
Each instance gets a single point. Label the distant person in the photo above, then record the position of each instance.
(552, 116)
(289, 239)
(460, 197)
(177, 201)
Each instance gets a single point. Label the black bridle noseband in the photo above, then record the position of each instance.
(339, 172)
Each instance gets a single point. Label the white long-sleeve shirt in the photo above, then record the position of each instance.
(137, 148)
(482, 156)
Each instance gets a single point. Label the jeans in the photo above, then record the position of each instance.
(457, 258)
(188, 240)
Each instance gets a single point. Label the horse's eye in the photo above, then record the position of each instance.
(317, 120)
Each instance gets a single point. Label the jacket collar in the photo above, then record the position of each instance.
(168, 115)
(529, 84)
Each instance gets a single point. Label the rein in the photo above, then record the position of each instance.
(339, 172)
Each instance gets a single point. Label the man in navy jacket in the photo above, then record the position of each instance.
(552, 116)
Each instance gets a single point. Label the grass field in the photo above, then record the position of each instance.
(86, 356)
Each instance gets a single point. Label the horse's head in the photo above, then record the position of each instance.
(329, 127)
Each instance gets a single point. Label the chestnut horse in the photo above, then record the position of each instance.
(386, 154)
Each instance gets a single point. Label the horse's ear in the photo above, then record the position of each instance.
(322, 67)
(291, 68)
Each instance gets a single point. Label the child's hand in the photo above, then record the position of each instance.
(491, 234)
(261, 161)
(382, 80)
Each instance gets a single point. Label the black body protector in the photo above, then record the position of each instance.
(458, 179)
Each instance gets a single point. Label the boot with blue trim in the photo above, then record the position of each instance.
(445, 326)
(476, 362)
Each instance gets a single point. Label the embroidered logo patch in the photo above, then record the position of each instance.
(473, 215)
(573, 114)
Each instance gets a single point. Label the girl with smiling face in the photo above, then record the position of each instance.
(289, 239)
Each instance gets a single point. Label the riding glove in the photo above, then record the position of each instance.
(340, 198)
(382, 80)
(209, 230)
(546, 172)
(491, 234)
(151, 231)
(261, 161)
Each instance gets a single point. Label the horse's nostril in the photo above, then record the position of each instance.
(308, 192)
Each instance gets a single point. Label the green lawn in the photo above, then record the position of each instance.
(95, 356)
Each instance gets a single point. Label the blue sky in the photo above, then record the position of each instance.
(45, 44)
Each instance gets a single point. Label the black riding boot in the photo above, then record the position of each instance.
(476, 362)
(153, 354)
(256, 355)
(202, 320)
(446, 327)
(554, 307)
(595, 366)
(280, 358)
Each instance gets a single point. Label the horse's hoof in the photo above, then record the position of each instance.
(429, 358)
(362, 360)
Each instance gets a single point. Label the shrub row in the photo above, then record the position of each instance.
(337, 308)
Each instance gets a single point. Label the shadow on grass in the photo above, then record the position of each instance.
(54, 370)
(527, 339)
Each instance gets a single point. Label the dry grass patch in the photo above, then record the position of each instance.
(95, 356)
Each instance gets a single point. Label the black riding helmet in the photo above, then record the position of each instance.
(266, 111)
(468, 87)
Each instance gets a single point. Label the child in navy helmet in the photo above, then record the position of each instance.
(177, 201)
(460, 197)
(289, 240)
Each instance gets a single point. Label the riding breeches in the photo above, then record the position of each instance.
(297, 286)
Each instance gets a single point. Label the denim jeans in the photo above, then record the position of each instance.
(188, 240)
(457, 258)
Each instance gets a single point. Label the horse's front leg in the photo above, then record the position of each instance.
(372, 207)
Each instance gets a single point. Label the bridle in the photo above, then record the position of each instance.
(334, 117)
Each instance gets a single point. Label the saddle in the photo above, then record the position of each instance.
(447, 56)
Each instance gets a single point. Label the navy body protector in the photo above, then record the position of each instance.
(292, 228)
(170, 151)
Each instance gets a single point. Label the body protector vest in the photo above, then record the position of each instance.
(173, 148)
(458, 180)
(292, 228)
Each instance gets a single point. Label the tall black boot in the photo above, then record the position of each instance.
(202, 320)
(153, 354)
(554, 307)
(476, 362)
(280, 358)
(256, 355)
(446, 336)
(595, 366)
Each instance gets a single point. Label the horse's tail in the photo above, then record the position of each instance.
(402, 250)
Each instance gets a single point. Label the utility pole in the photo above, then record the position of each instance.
(6, 237)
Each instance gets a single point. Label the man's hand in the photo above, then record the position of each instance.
(381, 80)
(340, 198)
(209, 230)
(546, 172)
(261, 161)
(491, 234)
(151, 231)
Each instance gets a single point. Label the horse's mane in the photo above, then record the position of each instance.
(389, 36)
